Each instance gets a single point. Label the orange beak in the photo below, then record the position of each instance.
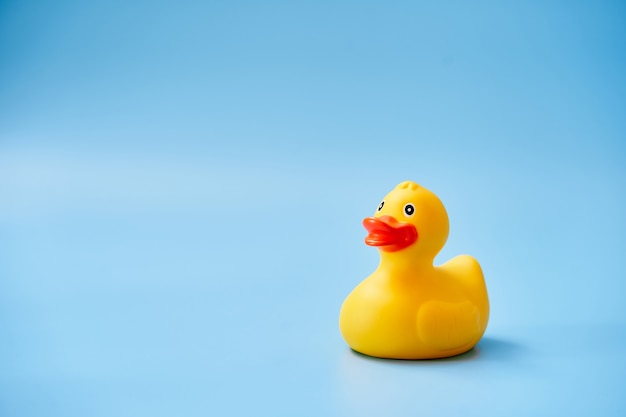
(388, 233)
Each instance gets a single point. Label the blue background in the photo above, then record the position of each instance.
(182, 186)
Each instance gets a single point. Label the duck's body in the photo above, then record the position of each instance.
(408, 308)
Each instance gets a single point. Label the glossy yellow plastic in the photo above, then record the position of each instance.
(409, 308)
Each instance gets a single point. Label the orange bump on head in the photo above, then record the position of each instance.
(407, 185)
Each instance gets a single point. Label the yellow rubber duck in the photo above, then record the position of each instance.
(409, 308)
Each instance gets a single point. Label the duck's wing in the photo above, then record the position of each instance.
(444, 325)
(461, 319)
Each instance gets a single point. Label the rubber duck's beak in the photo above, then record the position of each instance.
(388, 233)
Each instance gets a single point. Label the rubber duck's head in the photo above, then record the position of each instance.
(410, 218)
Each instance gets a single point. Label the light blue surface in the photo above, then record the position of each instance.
(182, 185)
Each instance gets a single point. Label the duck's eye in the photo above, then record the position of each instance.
(409, 210)
(381, 205)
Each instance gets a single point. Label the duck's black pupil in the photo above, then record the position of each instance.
(382, 203)
(409, 209)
